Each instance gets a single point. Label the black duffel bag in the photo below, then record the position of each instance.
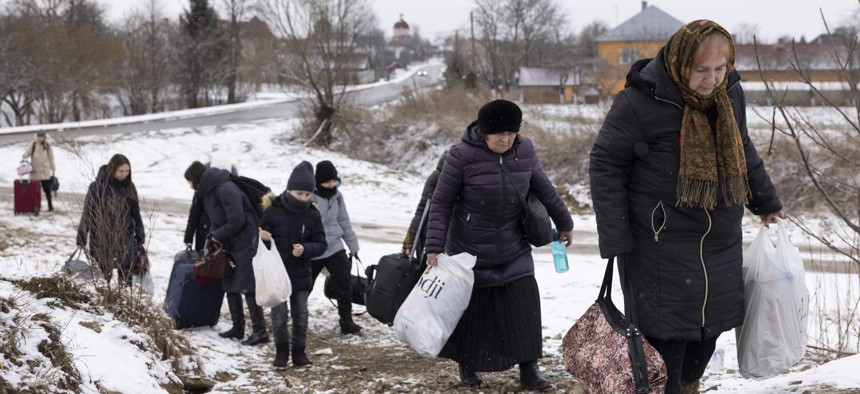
(359, 284)
(391, 281)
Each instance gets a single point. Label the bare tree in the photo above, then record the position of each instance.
(19, 66)
(321, 43)
(236, 11)
(143, 76)
(511, 30)
(828, 156)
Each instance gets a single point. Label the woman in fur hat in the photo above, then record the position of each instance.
(475, 209)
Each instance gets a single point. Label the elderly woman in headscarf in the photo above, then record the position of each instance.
(671, 171)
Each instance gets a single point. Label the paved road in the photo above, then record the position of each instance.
(368, 96)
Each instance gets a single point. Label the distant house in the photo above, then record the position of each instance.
(358, 70)
(547, 85)
(639, 37)
(775, 63)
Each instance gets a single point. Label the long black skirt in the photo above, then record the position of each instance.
(500, 328)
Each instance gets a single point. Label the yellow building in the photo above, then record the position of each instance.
(639, 37)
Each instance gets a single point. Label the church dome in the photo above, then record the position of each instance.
(401, 24)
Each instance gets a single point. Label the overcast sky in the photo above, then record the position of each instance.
(774, 18)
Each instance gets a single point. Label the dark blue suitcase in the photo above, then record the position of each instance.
(190, 303)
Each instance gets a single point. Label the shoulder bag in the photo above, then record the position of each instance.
(536, 224)
(606, 352)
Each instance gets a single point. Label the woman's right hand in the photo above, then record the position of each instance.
(431, 259)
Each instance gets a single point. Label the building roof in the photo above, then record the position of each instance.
(780, 57)
(652, 24)
(401, 24)
(537, 76)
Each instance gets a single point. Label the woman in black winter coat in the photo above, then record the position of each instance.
(671, 171)
(233, 225)
(475, 209)
(111, 220)
(197, 227)
(296, 228)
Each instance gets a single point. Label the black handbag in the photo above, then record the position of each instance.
(359, 284)
(55, 183)
(536, 223)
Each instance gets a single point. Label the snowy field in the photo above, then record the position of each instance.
(380, 201)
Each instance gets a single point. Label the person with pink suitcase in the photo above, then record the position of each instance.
(41, 171)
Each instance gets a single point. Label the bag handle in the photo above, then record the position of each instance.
(76, 252)
(635, 345)
(360, 263)
(413, 254)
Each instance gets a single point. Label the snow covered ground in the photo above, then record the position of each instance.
(380, 201)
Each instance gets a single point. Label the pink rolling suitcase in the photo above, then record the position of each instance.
(28, 196)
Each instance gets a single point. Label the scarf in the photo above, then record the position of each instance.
(293, 204)
(709, 161)
(325, 192)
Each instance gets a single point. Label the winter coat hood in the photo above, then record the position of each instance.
(212, 177)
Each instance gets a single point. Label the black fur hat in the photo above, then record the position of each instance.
(499, 116)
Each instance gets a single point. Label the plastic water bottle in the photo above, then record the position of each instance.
(716, 363)
(559, 253)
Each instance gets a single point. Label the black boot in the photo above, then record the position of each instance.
(347, 326)
(50, 205)
(234, 303)
(258, 322)
(282, 355)
(300, 359)
(470, 378)
(531, 378)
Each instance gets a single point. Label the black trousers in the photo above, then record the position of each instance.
(339, 267)
(685, 360)
(46, 187)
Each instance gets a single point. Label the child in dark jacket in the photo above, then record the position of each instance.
(297, 230)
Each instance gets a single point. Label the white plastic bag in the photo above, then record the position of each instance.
(773, 336)
(432, 310)
(273, 284)
(145, 282)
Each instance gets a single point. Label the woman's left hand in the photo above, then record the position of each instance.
(298, 250)
(566, 237)
(773, 218)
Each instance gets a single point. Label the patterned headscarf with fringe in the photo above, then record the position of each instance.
(708, 160)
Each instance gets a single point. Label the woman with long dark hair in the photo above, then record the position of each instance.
(111, 219)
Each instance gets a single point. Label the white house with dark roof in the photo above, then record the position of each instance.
(547, 85)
